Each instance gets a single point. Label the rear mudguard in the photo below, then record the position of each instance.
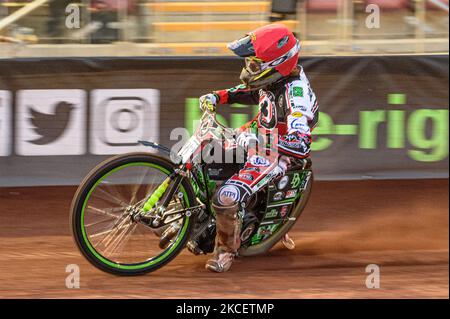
(295, 212)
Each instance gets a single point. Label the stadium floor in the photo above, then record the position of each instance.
(402, 226)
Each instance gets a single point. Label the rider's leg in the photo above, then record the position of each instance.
(226, 203)
(228, 229)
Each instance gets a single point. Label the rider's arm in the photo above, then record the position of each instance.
(297, 139)
(238, 94)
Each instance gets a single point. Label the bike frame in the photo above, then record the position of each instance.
(208, 130)
(189, 167)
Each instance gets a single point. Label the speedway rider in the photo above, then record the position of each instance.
(288, 111)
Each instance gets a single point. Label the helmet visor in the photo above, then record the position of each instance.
(242, 47)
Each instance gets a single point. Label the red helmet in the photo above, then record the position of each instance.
(271, 53)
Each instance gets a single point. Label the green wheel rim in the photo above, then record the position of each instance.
(161, 257)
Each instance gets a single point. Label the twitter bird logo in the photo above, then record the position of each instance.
(51, 127)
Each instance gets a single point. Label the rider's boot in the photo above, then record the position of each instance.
(227, 238)
(169, 233)
(288, 242)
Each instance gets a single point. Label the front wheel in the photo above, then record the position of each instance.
(103, 215)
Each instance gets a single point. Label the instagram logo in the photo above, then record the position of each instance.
(120, 118)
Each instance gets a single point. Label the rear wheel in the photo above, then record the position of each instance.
(104, 209)
(281, 231)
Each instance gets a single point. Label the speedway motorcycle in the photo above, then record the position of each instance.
(136, 212)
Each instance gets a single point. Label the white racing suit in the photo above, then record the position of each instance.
(288, 112)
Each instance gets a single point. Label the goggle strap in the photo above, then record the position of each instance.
(283, 58)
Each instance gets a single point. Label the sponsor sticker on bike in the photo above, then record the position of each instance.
(278, 196)
(283, 182)
(229, 191)
(263, 233)
(291, 193)
(252, 168)
(296, 180)
(246, 176)
(305, 181)
(261, 183)
(271, 214)
(284, 210)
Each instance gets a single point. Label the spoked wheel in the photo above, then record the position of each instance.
(105, 215)
(296, 211)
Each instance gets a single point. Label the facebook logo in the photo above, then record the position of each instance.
(5, 123)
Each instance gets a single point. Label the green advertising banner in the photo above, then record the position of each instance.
(380, 116)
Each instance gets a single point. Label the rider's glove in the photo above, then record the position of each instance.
(245, 139)
(209, 102)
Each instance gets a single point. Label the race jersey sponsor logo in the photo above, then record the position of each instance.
(246, 176)
(122, 117)
(301, 108)
(294, 140)
(291, 144)
(268, 112)
(237, 88)
(296, 123)
(259, 161)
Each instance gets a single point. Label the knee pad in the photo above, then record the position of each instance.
(226, 198)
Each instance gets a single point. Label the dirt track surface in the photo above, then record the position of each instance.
(402, 226)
